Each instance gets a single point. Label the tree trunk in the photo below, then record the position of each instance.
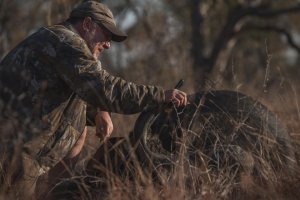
(199, 64)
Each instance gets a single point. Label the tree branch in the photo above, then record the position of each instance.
(240, 12)
(227, 32)
(275, 12)
(270, 28)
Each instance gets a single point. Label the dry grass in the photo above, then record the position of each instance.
(231, 178)
(257, 174)
(188, 179)
(184, 181)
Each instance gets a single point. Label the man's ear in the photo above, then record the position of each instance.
(87, 23)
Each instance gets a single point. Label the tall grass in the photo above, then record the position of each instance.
(115, 171)
(182, 181)
(233, 178)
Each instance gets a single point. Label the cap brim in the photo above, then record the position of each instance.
(117, 35)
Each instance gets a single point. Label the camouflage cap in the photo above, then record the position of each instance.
(101, 14)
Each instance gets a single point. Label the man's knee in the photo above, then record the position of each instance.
(74, 152)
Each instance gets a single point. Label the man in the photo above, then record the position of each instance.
(46, 83)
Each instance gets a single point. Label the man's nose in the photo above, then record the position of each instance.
(106, 45)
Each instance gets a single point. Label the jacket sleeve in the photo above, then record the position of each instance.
(76, 66)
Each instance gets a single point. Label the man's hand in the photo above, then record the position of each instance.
(177, 97)
(104, 125)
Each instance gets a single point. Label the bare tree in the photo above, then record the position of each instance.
(242, 17)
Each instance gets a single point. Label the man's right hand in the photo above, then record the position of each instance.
(177, 97)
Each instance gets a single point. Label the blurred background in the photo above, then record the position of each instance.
(251, 46)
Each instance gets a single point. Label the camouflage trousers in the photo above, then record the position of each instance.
(21, 164)
(18, 171)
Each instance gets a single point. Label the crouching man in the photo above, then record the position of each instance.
(46, 83)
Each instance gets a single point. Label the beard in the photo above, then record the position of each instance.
(91, 43)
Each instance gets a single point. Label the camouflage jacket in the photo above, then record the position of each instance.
(47, 81)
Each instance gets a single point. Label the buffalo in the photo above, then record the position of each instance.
(220, 136)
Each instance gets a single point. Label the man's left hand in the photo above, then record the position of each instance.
(104, 125)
